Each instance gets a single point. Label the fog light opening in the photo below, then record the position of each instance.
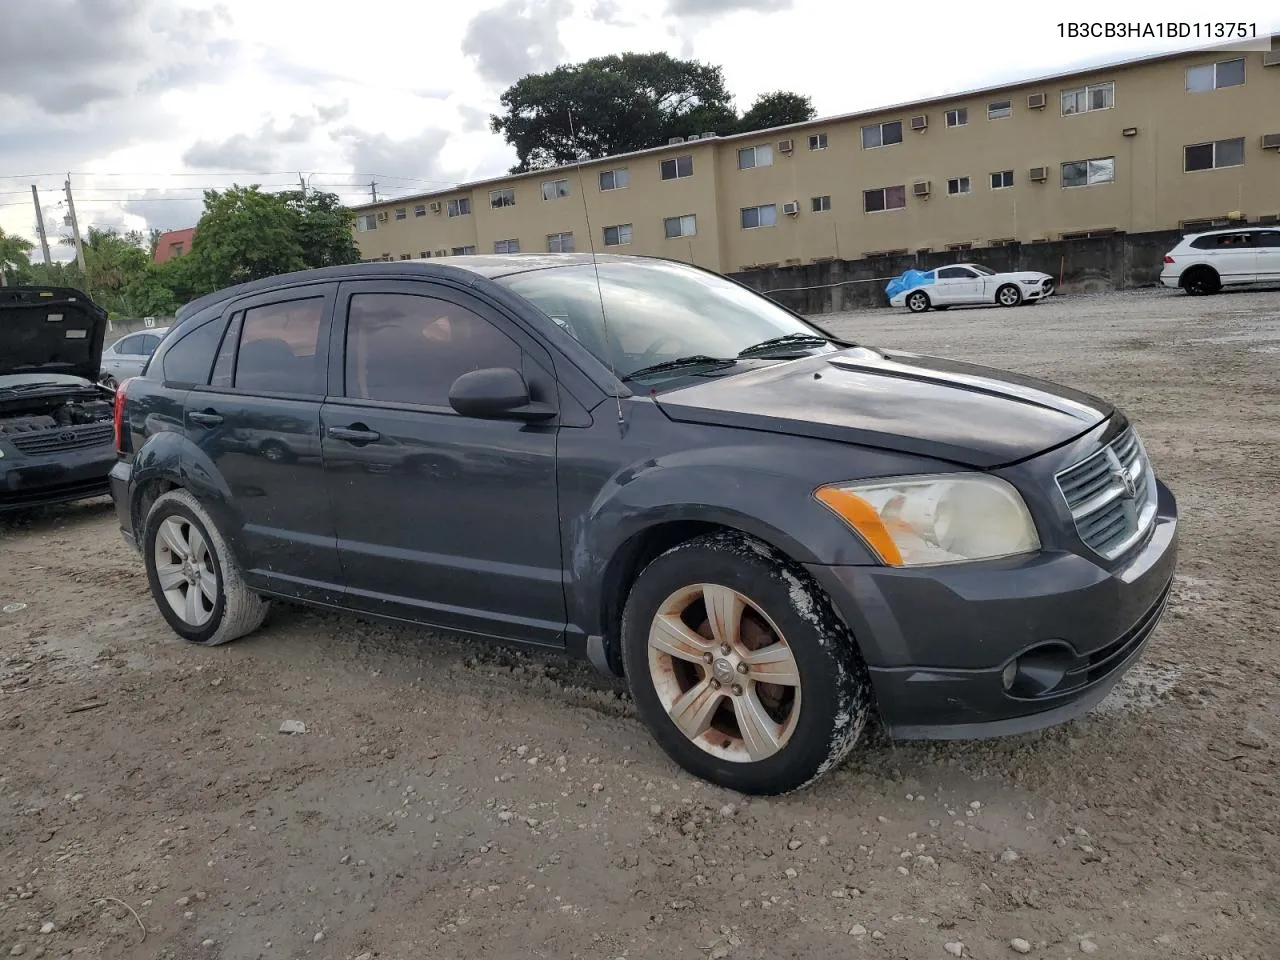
(1038, 672)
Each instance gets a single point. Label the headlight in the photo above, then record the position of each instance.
(914, 521)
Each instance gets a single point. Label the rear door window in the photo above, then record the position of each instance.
(278, 349)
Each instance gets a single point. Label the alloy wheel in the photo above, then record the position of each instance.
(724, 673)
(185, 570)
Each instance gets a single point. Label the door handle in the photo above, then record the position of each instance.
(357, 433)
(206, 418)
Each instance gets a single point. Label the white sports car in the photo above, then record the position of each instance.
(970, 283)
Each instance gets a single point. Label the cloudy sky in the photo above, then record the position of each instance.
(147, 102)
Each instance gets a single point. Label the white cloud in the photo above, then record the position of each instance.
(148, 101)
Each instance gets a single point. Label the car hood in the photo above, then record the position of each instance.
(50, 330)
(1026, 276)
(960, 412)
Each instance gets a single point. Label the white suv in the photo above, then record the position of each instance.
(1206, 262)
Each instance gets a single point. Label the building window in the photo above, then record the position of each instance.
(761, 156)
(1002, 180)
(821, 204)
(557, 243)
(1215, 76)
(617, 236)
(506, 246)
(367, 222)
(765, 215)
(686, 226)
(958, 117)
(460, 207)
(425, 254)
(817, 141)
(881, 134)
(884, 198)
(1086, 173)
(677, 167)
(1096, 96)
(467, 251)
(999, 109)
(420, 210)
(615, 179)
(555, 189)
(959, 246)
(401, 213)
(1211, 156)
(958, 186)
(502, 198)
(406, 256)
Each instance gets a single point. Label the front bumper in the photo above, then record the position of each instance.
(35, 481)
(937, 640)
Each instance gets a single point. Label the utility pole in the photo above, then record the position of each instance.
(75, 227)
(373, 189)
(44, 238)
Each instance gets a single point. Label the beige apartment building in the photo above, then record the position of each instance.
(1186, 140)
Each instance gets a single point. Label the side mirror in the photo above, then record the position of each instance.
(497, 393)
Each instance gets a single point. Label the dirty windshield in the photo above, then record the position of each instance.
(655, 312)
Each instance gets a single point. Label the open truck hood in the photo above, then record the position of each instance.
(50, 330)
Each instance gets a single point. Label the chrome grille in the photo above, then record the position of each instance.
(68, 438)
(1111, 495)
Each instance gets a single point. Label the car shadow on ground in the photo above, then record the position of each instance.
(44, 519)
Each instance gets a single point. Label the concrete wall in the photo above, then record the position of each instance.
(1117, 262)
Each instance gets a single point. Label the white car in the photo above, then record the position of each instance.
(1206, 262)
(127, 356)
(971, 283)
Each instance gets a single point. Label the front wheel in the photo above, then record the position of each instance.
(740, 667)
(918, 302)
(193, 577)
(1008, 296)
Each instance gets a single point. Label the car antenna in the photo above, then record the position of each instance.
(595, 267)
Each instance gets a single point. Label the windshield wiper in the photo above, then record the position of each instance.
(694, 360)
(786, 340)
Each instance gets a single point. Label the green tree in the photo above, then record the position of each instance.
(776, 109)
(15, 258)
(246, 234)
(619, 103)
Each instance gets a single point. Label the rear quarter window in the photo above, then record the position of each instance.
(189, 359)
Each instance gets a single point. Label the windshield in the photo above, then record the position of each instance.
(982, 270)
(657, 311)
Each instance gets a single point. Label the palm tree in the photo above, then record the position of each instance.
(14, 257)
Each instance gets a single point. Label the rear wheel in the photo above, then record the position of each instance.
(1008, 296)
(918, 301)
(741, 668)
(1201, 281)
(193, 576)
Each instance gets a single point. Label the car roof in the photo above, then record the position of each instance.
(465, 269)
(1264, 227)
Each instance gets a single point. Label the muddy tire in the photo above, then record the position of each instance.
(193, 577)
(741, 668)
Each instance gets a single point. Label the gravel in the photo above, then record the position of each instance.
(1179, 816)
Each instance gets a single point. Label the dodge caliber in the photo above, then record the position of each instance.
(776, 536)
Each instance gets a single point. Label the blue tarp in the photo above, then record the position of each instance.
(908, 281)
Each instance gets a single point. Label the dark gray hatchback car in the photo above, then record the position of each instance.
(772, 534)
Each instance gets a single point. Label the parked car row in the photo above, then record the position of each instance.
(1201, 263)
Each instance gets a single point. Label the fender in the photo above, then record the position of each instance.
(169, 456)
(776, 506)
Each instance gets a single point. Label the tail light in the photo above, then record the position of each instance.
(1168, 259)
(117, 410)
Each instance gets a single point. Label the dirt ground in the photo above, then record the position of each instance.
(452, 800)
